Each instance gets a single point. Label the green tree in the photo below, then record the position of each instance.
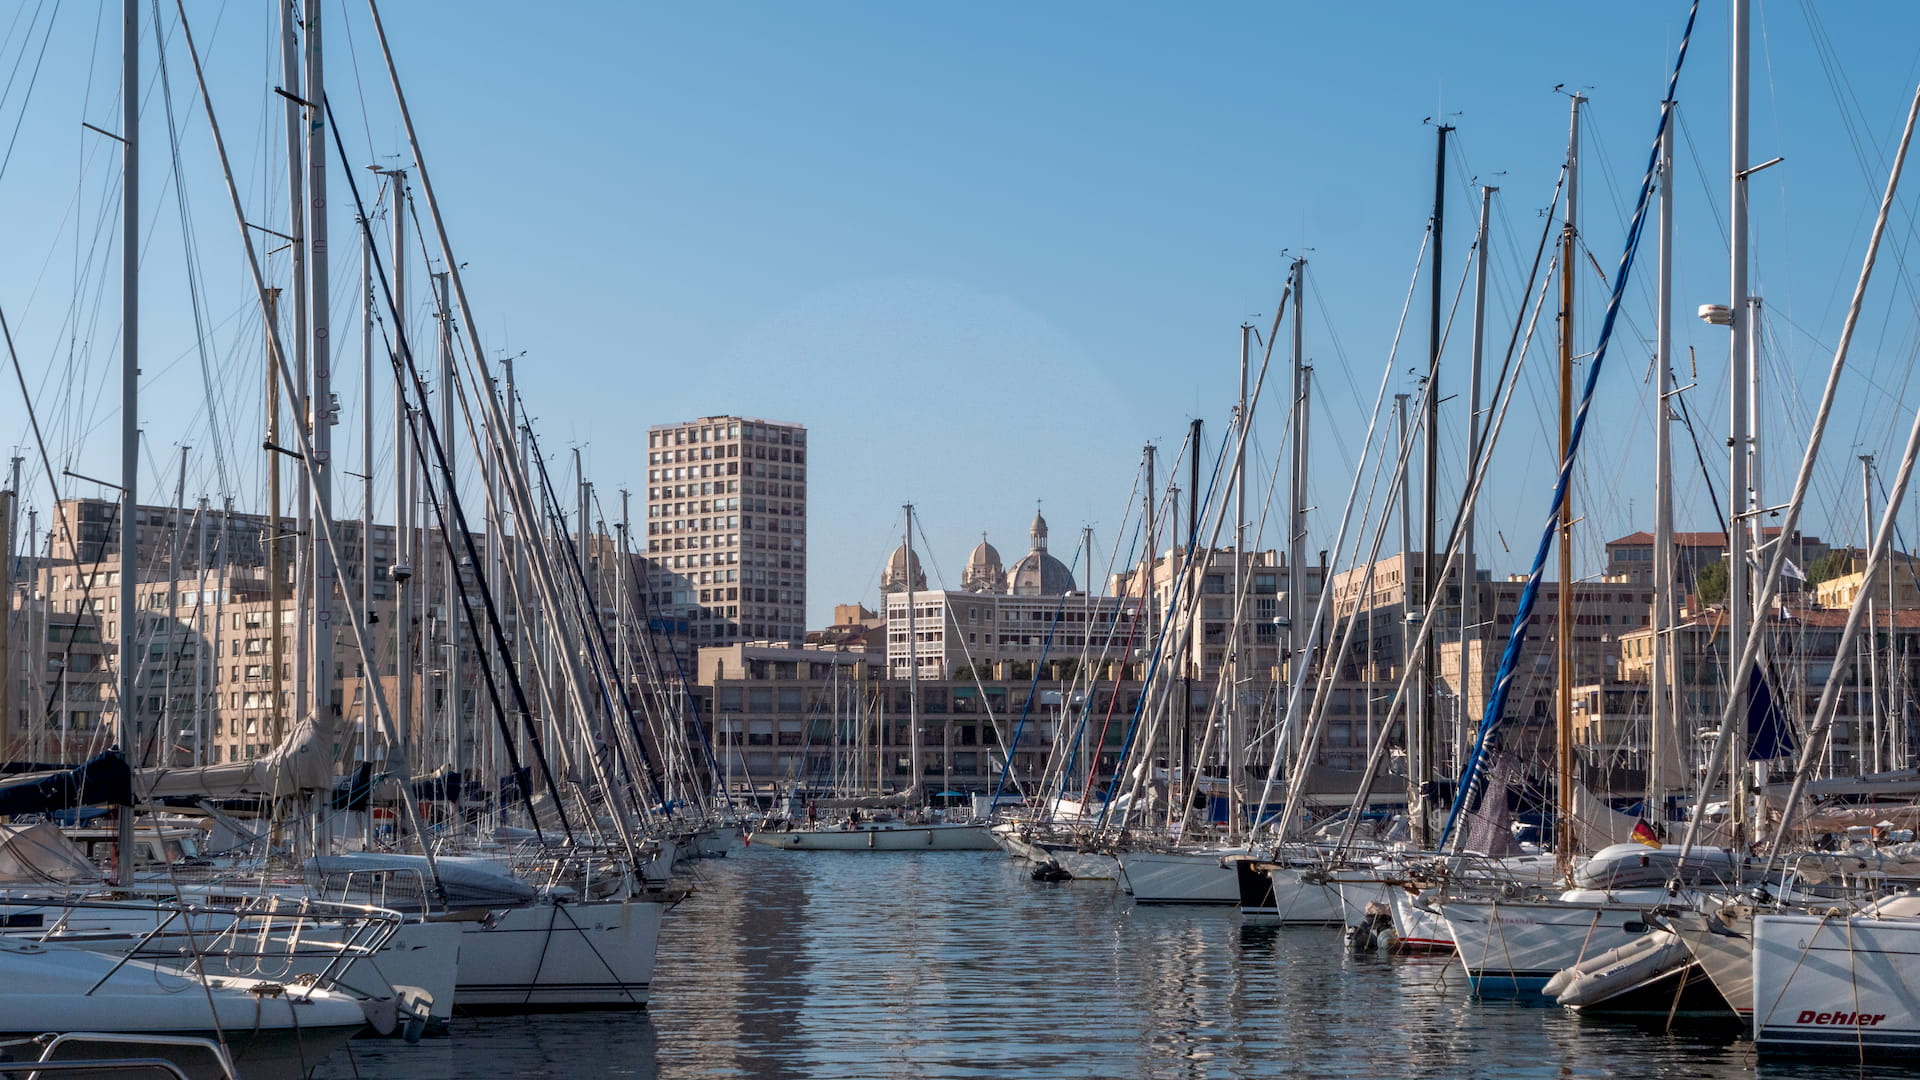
(1711, 583)
(1829, 566)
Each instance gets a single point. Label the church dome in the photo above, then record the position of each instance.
(899, 565)
(1038, 573)
(984, 573)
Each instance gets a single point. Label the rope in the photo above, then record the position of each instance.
(1510, 660)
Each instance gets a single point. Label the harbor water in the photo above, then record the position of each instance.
(958, 964)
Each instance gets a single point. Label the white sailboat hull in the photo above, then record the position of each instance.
(1155, 877)
(418, 961)
(1083, 865)
(53, 987)
(593, 955)
(1727, 957)
(1515, 946)
(1842, 986)
(714, 843)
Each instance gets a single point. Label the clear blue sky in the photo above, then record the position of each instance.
(985, 252)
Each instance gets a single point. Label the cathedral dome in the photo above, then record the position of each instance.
(984, 573)
(1038, 573)
(899, 565)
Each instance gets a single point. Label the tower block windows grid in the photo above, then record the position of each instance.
(727, 527)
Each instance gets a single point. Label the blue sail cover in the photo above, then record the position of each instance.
(104, 781)
(1768, 734)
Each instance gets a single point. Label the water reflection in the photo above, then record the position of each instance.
(949, 965)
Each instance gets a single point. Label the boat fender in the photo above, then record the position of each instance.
(382, 1013)
(1558, 983)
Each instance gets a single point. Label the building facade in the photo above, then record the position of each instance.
(727, 528)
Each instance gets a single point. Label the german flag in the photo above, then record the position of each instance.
(1643, 833)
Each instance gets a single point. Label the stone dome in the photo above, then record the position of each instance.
(1038, 573)
(984, 573)
(899, 565)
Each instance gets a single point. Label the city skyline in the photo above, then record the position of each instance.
(984, 260)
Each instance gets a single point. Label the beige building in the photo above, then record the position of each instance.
(1202, 634)
(727, 527)
(1898, 587)
(823, 721)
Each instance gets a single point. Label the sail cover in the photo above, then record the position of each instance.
(42, 855)
(1489, 825)
(103, 781)
(304, 763)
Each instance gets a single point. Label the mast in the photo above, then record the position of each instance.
(1414, 786)
(450, 583)
(9, 540)
(1874, 761)
(200, 710)
(37, 662)
(1738, 547)
(1236, 723)
(1297, 484)
(913, 670)
(126, 657)
(1423, 761)
(1151, 549)
(321, 412)
(1469, 567)
(296, 392)
(369, 667)
(1668, 753)
(1190, 625)
(400, 754)
(276, 715)
(170, 644)
(1563, 628)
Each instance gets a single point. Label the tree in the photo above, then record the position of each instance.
(1833, 564)
(1710, 585)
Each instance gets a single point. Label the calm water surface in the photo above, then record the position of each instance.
(957, 964)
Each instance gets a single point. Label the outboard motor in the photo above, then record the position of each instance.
(1375, 931)
(1051, 871)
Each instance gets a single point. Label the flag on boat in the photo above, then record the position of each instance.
(1643, 834)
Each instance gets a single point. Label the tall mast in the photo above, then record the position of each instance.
(450, 583)
(1738, 545)
(913, 669)
(1415, 798)
(1187, 624)
(1297, 483)
(1236, 723)
(1873, 760)
(276, 570)
(1469, 572)
(320, 408)
(1423, 758)
(1563, 629)
(200, 671)
(126, 656)
(1150, 553)
(1668, 766)
(297, 251)
(370, 666)
(403, 538)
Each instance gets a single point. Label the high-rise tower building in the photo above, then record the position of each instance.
(727, 527)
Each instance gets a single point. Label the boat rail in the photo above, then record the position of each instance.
(268, 926)
(53, 1041)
